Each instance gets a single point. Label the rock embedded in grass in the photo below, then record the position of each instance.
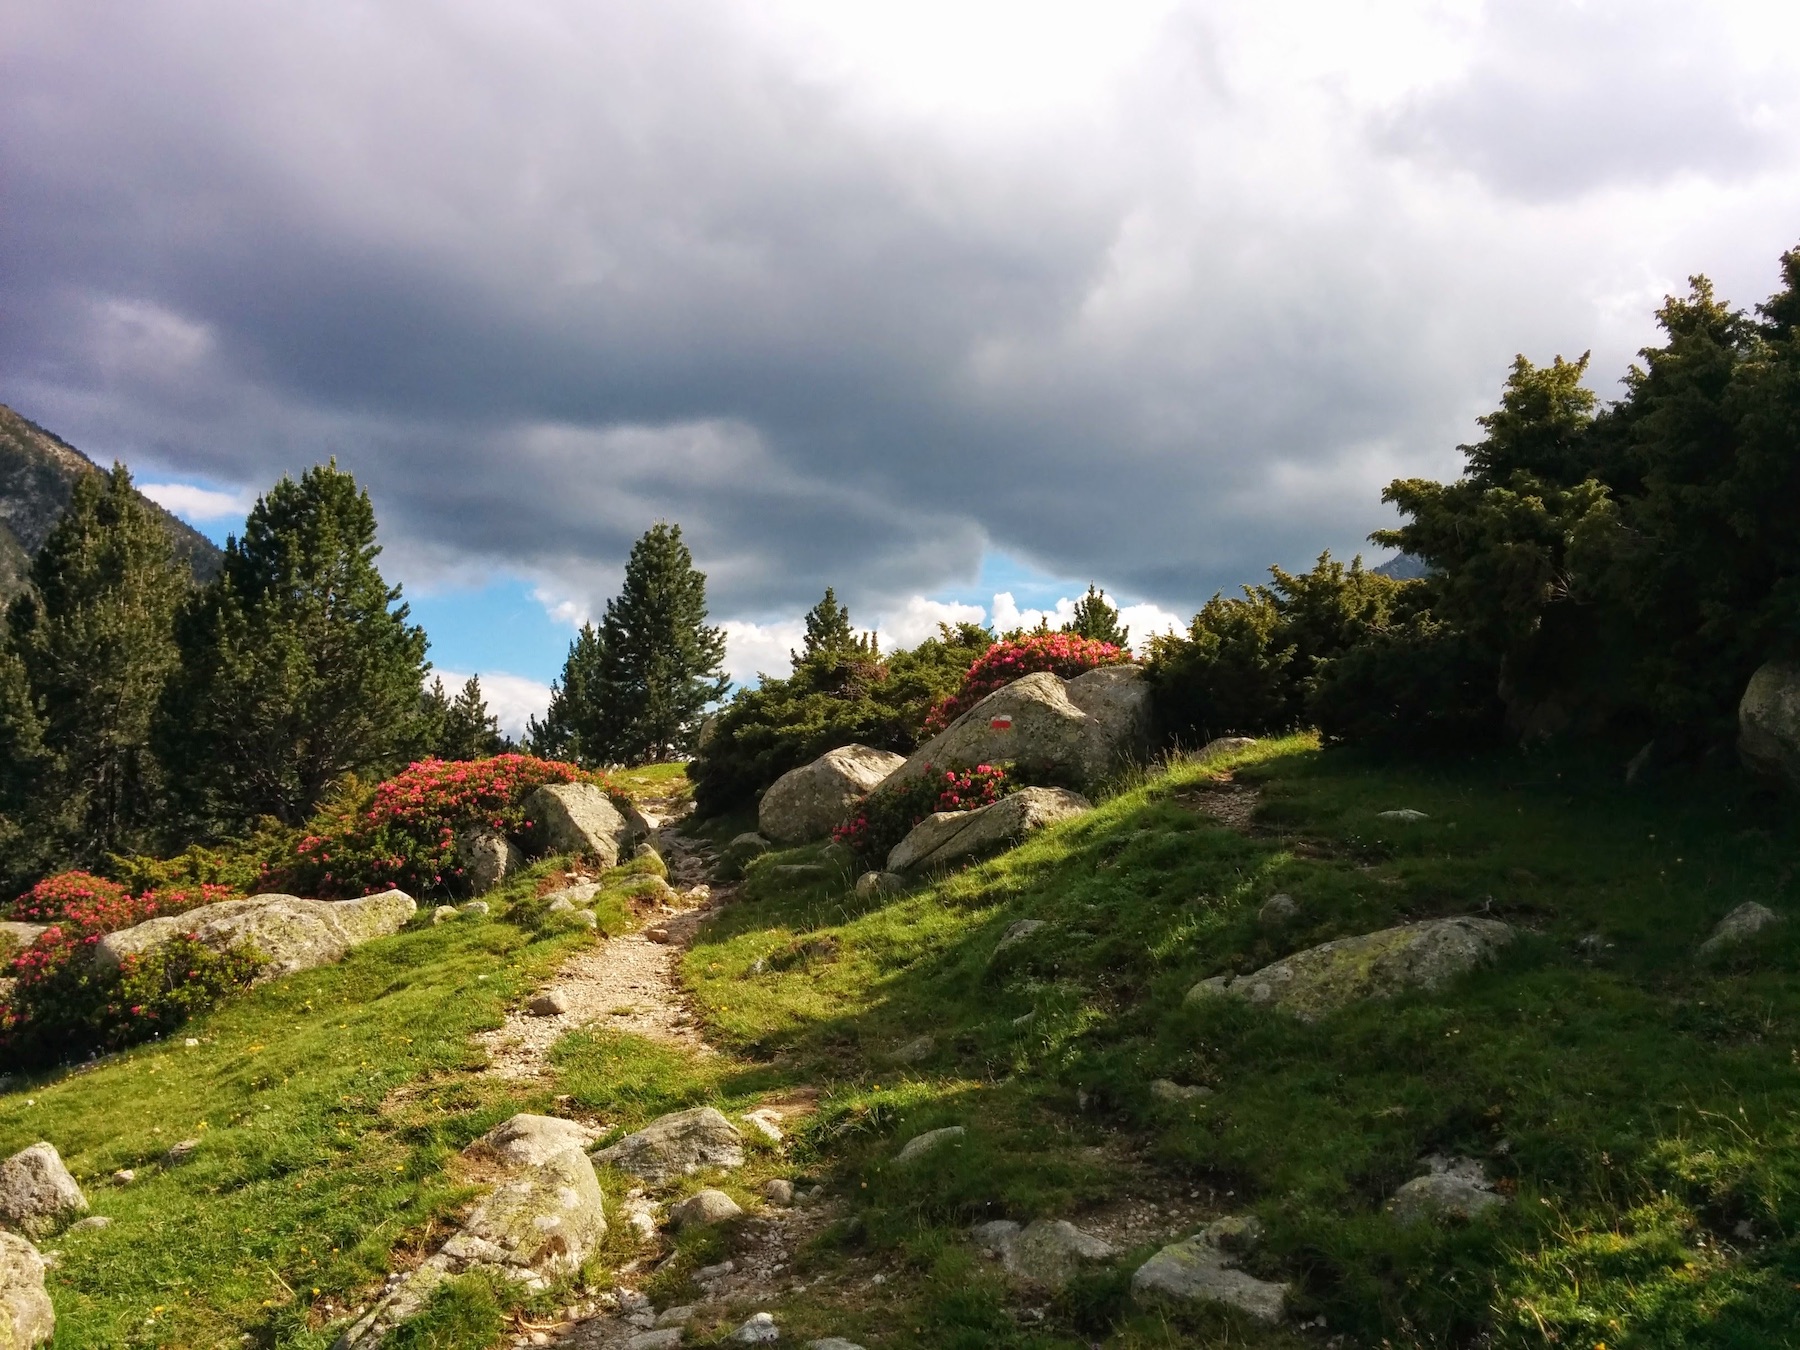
(916, 1051)
(444, 914)
(542, 1221)
(1769, 722)
(293, 934)
(1405, 815)
(778, 1191)
(677, 1145)
(955, 838)
(760, 1329)
(1017, 932)
(37, 1194)
(1379, 965)
(668, 1338)
(832, 1343)
(1167, 1090)
(871, 885)
(1204, 1269)
(527, 1140)
(703, 1208)
(807, 803)
(487, 857)
(766, 1122)
(1749, 920)
(932, 1140)
(27, 1317)
(180, 1152)
(1453, 1188)
(1225, 745)
(1048, 1252)
(1278, 910)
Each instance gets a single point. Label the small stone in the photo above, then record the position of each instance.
(1017, 933)
(1746, 921)
(678, 1316)
(710, 1274)
(677, 1145)
(585, 917)
(562, 905)
(667, 1339)
(181, 1152)
(1166, 1090)
(1203, 1269)
(914, 1051)
(92, 1224)
(1225, 745)
(872, 884)
(633, 1301)
(474, 908)
(1049, 1251)
(833, 1343)
(1454, 1188)
(759, 1330)
(551, 1003)
(778, 1192)
(1025, 1020)
(1405, 815)
(1594, 946)
(443, 914)
(27, 1317)
(705, 1207)
(659, 934)
(191, 1042)
(928, 1142)
(1279, 909)
(125, 1176)
(765, 1122)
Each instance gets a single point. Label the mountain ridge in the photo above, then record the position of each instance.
(38, 472)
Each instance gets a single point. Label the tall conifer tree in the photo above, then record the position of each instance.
(92, 646)
(297, 666)
(1096, 617)
(469, 730)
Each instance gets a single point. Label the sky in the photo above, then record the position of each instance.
(952, 307)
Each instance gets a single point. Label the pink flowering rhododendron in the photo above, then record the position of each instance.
(884, 818)
(1064, 655)
(403, 833)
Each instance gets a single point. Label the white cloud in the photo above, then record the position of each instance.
(919, 618)
(753, 649)
(511, 698)
(1143, 620)
(196, 504)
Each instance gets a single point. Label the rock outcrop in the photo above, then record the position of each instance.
(954, 838)
(527, 1140)
(488, 858)
(1452, 1188)
(37, 1194)
(26, 1315)
(931, 1141)
(292, 934)
(807, 803)
(1377, 965)
(580, 818)
(1204, 1269)
(1078, 730)
(1738, 927)
(16, 936)
(677, 1145)
(1047, 1252)
(1769, 722)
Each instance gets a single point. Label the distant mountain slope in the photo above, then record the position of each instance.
(1402, 567)
(37, 475)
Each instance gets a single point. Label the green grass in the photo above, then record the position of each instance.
(1638, 1105)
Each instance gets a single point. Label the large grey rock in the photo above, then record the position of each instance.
(26, 1315)
(930, 1142)
(1204, 1269)
(1047, 1251)
(542, 1220)
(292, 933)
(488, 858)
(1080, 730)
(677, 1145)
(807, 803)
(953, 838)
(703, 1208)
(1739, 926)
(580, 818)
(1453, 1188)
(16, 936)
(527, 1140)
(759, 1329)
(1377, 965)
(1769, 722)
(37, 1194)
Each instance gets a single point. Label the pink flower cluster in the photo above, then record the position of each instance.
(885, 817)
(80, 904)
(1064, 655)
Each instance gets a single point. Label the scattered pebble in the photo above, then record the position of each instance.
(125, 1176)
(778, 1192)
(551, 1003)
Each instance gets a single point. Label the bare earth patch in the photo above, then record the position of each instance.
(1231, 804)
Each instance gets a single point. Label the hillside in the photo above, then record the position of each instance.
(1631, 1104)
(37, 473)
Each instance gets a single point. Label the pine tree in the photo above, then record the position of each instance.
(634, 690)
(571, 719)
(830, 634)
(296, 665)
(1095, 617)
(469, 731)
(93, 645)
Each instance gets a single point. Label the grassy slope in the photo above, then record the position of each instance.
(1640, 1106)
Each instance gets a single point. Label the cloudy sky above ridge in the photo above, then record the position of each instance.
(863, 295)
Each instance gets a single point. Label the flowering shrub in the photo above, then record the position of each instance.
(403, 833)
(81, 904)
(1064, 655)
(884, 818)
(62, 1006)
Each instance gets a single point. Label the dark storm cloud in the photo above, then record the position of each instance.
(542, 273)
